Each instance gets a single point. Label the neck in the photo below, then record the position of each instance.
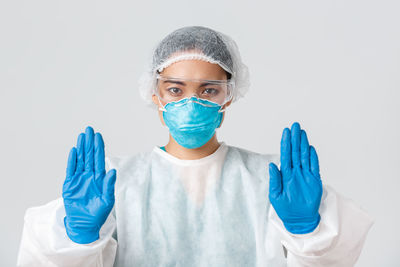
(181, 152)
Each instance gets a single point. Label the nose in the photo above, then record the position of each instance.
(195, 95)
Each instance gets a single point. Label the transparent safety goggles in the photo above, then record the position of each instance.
(172, 89)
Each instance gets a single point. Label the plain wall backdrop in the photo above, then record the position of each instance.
(333, 66)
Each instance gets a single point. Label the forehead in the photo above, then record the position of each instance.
(195, 69)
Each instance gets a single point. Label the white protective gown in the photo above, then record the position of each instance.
(212, 211)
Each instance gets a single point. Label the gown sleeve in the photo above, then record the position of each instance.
(45, 241)
(338, 239)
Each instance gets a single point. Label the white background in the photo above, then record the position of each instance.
(333, 66)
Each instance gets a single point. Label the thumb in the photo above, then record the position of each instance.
(275, 181)
(109, 182)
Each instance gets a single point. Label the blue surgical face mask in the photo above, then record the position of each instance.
(192, 121)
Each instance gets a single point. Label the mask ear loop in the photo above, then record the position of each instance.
(221, 110)
(158, 97)
(226, 101)
(163, 107)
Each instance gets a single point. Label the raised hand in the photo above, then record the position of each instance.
(295, 191)
(88, 192)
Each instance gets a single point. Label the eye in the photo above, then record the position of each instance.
(174, 90)
(211, 91)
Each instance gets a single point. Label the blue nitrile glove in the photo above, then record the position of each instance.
(88, 191)
(295, 191)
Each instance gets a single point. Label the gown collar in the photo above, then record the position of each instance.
(216, 155)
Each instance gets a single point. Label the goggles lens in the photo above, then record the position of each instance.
(171, 89)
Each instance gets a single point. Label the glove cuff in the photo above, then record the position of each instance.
(301, 227)
(81, 236)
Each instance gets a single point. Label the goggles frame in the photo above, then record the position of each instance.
(230, 84)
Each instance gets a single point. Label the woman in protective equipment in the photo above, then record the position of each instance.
(195, 201)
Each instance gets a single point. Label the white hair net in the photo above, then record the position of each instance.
(196, 42)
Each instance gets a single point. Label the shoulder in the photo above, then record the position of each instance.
(251, 157)
(250, 162)
(129, 168)
(122, 162)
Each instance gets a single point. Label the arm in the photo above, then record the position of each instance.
(316, 225)
(338, 239)
(75, 230)
(45, 242)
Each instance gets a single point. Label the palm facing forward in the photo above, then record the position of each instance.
(295, 191)
(88, 191)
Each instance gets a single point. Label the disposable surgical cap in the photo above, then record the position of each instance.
(201, 43)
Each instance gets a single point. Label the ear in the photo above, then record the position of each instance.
(227, 104)
(160, 113)
(155, 100)
(159, 103)
(223, 114)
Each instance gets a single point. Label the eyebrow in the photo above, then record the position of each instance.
(172, 81)
(182, 83)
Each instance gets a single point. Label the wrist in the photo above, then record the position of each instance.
(302, 227)
(81, 236)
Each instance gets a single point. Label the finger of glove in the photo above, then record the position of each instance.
(295, 138)
(89, 149)
(109, 183)
(80, 146)
(71, 165)
(314, 162)
(70, 171)
(275, 181)
(286, 156)
(99, 161)
(305, 151)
